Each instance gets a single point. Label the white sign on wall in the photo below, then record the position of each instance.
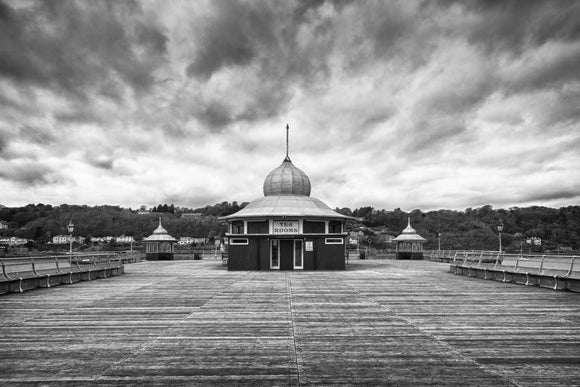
(285, 227)
(309, 246)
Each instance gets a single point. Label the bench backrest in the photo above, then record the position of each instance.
(20, 265)
(61, 262)
(561, 263)
(542, 263)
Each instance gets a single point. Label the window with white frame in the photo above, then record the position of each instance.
(238, 241)
(334, 241)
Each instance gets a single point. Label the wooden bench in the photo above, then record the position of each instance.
(449, 256)
(555, 272)
(26, 273)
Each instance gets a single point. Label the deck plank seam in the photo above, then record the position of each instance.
(350, 378)
(442, 342)
(301, 375)
(140, 349)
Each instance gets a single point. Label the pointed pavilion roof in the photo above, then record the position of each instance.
(160, 235)
(409, 234)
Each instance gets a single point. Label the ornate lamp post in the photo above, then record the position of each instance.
(499, 230)
(71, 228)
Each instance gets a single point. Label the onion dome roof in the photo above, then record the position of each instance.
(286, 194)
(409, 234)
(287, 179)
(160, 235)
(286, 205)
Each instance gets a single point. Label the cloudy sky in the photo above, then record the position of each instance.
(392, 104)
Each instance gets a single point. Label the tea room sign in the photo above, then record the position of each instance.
(285, 227)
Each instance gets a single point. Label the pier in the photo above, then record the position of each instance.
(379, 322)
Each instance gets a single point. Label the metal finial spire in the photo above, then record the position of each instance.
(287, 130)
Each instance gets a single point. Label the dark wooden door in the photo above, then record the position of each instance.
(286, 254)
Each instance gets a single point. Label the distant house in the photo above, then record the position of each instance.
(191, 215)
(534, 241)
(64, 239)
(3, 225)
(102, 239)
(60, 239)
(191, 240)
(124, 239)
(13, 241)
(185, 241)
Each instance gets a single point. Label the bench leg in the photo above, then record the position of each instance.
(556, 283)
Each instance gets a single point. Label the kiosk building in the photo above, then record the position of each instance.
(287, 229)
(409, 245)
(159, 245)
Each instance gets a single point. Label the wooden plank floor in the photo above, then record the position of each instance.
(377, 323)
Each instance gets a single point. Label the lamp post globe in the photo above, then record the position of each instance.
(70, 228)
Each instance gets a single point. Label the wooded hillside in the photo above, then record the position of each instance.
(468, 229)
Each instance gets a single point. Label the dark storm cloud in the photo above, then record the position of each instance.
(512, 25)
(538, 36)
(99, 161)
(37, 135)
(566, 108)
(72, 45)
(215, 114)
(239, 35)
(79, 115)
(4, 136)
(555, 195)
(432, 134)
(550, 68)
(373, 88)
(231, 37)
(304, 7)
(28, 173)
(267, 101)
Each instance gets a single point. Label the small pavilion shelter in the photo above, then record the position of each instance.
(159, 246)
(287, 229)
(409, 245)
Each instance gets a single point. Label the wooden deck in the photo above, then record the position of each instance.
(377, 323)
